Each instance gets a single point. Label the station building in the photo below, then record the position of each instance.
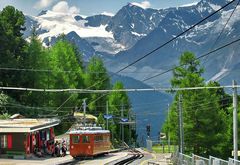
(19, 137)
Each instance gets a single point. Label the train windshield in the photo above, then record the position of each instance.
(75, 139)
(86, 139)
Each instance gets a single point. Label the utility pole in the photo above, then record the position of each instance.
(135, 125)
(122, 123)
(107, 113)
(129, 127)
(235, 122)
(181, 139)
(84, 112)
(168, 129)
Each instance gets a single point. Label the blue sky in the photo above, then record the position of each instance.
(87, 7)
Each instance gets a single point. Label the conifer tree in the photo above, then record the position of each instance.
(12, 47)
(119, 101)
(66, 73)
(97, 78)
(203, 121)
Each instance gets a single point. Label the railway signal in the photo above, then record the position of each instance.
(148, 129)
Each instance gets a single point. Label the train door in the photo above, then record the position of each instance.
(86, 144)
(75, 146)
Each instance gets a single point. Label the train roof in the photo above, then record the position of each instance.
(89, 130)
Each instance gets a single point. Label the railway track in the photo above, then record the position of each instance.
(135, 154)
(72, 162)
(132, 156)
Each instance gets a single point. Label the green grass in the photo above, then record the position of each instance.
(159, 149)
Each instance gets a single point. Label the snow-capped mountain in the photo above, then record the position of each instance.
(199, 40)
(133, 22)
(109, 34)
(134, 31)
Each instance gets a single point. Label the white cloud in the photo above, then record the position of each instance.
(63, 7)
(43, 4)
(144, 4)
(107, 13)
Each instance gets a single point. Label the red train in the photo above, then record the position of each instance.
(89, 142)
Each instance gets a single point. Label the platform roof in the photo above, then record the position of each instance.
(26, 125)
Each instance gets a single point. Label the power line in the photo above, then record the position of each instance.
(177, 36)
(224, 27)
(166, 43)
(204, 55)
(87, 91)
(211, 50)
(115, 90)
(65, 71)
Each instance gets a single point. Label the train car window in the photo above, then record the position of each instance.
(75, 139)
(96, 138)
(86, 139)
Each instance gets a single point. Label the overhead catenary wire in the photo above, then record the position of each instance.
(175, 37)
(204, 55)
(167, 89)
(128, 90)
(135, 106)
(211, 50)
(163, 45)
(199, 107)
(110, 105)
(166, 43)
(223, 29)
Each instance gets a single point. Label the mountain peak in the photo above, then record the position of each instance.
(43, 12)
(216, 2)
(78, 18)
(136, 5)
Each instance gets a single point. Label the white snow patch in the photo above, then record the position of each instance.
(207, 25)
(151, 17)
(224, 71)
(225, 15)
(58, 23)
(133, 25)
(215, 7)
(137, 34)
(107, 45)
(219, 75)
(189, 4)
(108, 14)
(144, 4)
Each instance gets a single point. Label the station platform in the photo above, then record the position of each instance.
(60, 160)
(157, 159)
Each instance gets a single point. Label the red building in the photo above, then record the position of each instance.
(19, 138)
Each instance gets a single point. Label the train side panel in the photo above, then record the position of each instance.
(101, 144)
(81, 145)
(85, 143)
